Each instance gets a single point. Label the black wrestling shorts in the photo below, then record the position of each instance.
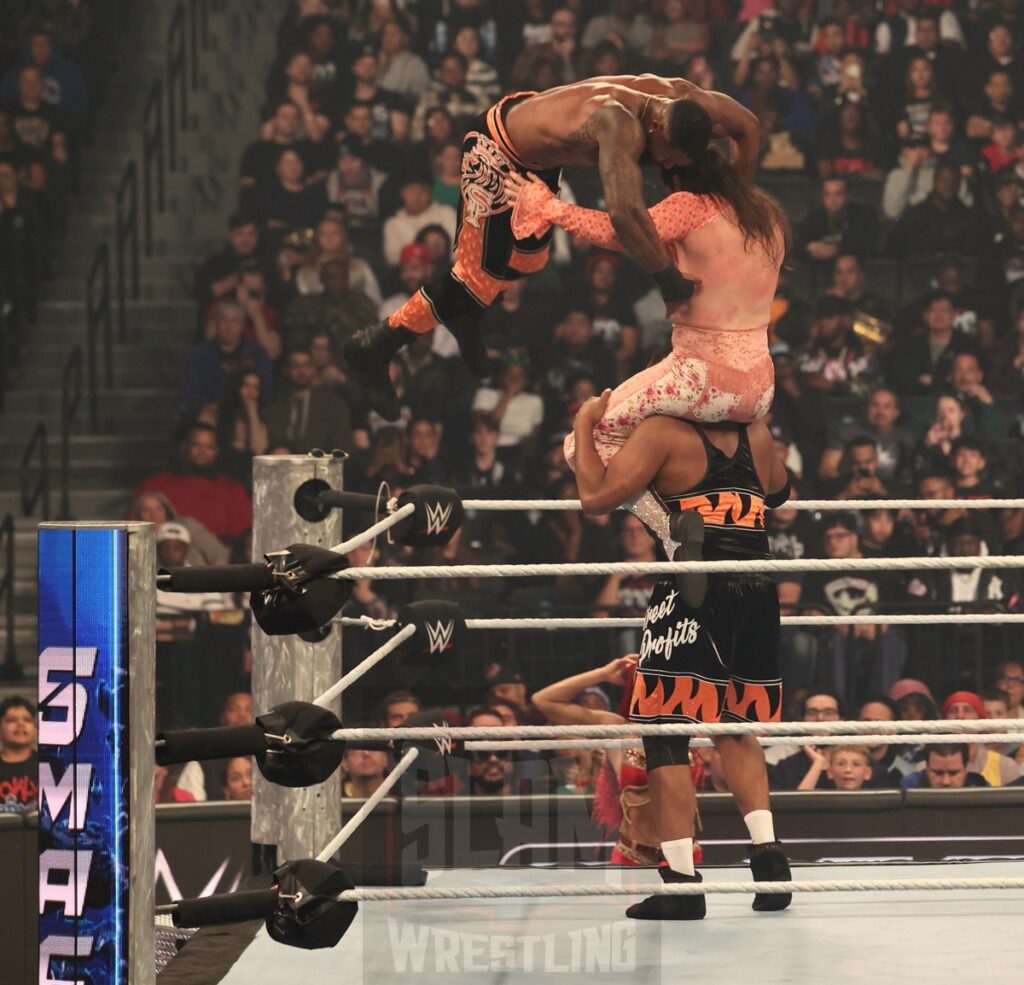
(718, 662)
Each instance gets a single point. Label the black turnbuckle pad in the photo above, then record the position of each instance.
(438, 515)
(300, 748)
(303, 598)
(440, 628)
(307, 914)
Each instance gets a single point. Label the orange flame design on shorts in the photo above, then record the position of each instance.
(754, 702)
(690, 698)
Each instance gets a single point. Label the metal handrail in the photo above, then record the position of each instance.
(98, 319)
(127, 229)
(10, 669)
(177, 88)
(199, 35)
(152, 159)
(5, 360)
(70, 398)
(31, 495)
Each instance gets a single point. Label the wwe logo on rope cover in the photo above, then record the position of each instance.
(439, 636)
(438, 516)
(443, 742)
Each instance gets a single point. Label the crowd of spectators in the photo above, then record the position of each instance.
(892, 133)
(53, 66)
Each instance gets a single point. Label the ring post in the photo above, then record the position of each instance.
(97, 657)
(297, 820)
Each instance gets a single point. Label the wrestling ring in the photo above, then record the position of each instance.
(318, 921)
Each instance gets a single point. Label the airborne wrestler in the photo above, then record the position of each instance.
(616, 122)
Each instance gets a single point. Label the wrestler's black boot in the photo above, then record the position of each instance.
(687, 530)
(466, 330)
(368, 354)
(670, 907)
(768, 863)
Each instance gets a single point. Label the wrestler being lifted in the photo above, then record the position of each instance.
(616, 122)
(731, 238)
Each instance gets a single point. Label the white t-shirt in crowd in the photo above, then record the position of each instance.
(522, 417)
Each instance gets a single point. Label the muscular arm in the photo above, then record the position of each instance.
(630, 471)
(620, 142)
(555, 702)
(763, 446)
(730, 119)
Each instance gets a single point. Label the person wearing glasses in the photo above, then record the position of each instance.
(490, 773)
(818, 706)
(1010, 679)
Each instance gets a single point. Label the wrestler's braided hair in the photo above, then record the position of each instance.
(759, 215)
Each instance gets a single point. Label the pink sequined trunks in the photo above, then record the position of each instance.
(709, 376)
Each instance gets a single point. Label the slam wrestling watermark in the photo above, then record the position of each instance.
(419, 948)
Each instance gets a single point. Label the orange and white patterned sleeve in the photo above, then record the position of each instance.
(538, 208)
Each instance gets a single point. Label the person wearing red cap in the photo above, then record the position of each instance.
(414, 269)
(416, 256)
(998, 769)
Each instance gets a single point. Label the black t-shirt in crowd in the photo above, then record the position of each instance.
(36, 127)
(19, 783)
(849, 593)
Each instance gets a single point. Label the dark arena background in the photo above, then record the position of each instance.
(209, 210)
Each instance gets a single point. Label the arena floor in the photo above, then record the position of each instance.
(890, 938)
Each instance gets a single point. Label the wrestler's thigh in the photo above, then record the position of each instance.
(755, 690)
(680, 674)
(484, 239)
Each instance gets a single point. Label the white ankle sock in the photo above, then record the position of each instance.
(679, 855)
(760, 826)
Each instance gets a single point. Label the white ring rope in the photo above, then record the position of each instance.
(370, 533)
(962, 738)
(939, 727)
(636, 622)
(332, 847)
(674, 889)
(682, 567)
(364, 665)
(816, 505)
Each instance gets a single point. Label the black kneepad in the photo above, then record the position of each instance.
(666, 750)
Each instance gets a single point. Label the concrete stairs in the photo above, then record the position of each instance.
(137, 415)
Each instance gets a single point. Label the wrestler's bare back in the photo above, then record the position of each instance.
(550, 129)
(738, 279)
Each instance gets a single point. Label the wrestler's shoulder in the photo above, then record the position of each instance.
(660, 425)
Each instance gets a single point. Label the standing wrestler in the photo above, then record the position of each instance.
(614, 122)
(718, 661)
(732, 237)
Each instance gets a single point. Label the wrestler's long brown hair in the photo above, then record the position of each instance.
(759, 215)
